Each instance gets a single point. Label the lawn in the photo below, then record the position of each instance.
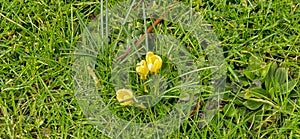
(39, 42)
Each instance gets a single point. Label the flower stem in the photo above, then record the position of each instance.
(156, 85)
(145, 88)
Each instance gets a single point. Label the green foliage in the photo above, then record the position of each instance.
(260, 40)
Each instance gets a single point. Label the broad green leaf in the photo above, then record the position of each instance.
(281, 75)
(236, 101)
(259, 93)
(266, 106)
(242, 111)
(289, 86)
(252, 105)
(270, 76)
(264, 72)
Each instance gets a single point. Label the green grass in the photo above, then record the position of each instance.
(260, 40)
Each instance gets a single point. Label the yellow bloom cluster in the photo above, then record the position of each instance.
(142, 69)
(153, 64)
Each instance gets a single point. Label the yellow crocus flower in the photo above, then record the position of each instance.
(142, 69)
(125, 97)
(154, 62)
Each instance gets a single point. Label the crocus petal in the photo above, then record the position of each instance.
(157, 64)
(150, 67)
(149, 56)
